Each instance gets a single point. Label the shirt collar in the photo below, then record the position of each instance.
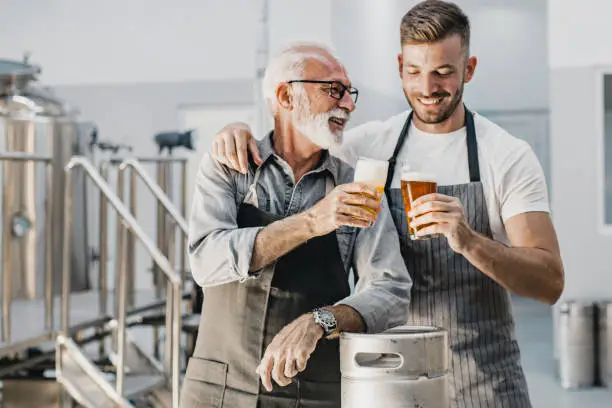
(328, 162)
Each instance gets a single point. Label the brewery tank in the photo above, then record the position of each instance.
(34, 121)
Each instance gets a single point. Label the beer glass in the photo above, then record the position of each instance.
(373, 173)
(415, 184)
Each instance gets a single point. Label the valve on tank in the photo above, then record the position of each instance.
(172, 139)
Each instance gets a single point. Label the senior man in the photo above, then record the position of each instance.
(273, 250)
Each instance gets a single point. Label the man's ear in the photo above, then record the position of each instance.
(284, 96)
(470, 69)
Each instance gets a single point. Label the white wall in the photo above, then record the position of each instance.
(577, 50)
(141, 41)
(508, 37)
(578, 33)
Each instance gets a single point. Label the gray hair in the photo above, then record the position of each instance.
(289, 65)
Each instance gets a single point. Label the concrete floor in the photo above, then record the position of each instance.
(535, 335)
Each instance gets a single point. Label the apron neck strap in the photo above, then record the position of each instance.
(398, 147)
(472, 148)
(251, 195)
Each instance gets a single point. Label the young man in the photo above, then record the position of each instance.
(490, 212)
(273, 248)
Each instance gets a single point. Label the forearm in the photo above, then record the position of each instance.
(529, 272)
(347, 319)
(280, 237)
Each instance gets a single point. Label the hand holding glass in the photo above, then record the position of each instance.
(415, 184)
(373, 173)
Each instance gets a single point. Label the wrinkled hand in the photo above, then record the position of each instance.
(287, 354)
(447, 216)
(232, 145)
(342, 207)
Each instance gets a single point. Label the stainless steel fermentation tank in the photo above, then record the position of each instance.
(34, 121)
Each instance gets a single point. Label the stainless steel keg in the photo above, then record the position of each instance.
(403, 367)
(605, 344)
(576, 344)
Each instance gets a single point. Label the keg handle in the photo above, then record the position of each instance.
(378, 361)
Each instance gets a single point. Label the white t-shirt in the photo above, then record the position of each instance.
(512, 177)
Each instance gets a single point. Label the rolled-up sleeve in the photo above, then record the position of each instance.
(382, 293)
(219, 251)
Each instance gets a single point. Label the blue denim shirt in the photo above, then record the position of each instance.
(220, 252)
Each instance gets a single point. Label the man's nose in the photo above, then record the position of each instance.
(429, 85)
(347, 102)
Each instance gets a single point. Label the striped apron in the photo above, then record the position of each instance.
(450, 292)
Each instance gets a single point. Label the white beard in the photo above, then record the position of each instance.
(316, 127)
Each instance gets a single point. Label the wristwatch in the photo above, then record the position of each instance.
(327, 321)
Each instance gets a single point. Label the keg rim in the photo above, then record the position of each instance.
(398, 331)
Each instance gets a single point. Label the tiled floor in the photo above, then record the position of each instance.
(535, 335)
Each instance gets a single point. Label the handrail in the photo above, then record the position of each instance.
(160, 259)
(7, 272)
(173, 300)
(162, 198)
(156, 190)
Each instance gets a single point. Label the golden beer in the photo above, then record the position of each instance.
(414, 185)
(373, 173)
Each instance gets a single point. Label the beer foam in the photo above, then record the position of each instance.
(418, 176)
(370, 170)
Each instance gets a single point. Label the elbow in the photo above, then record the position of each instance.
(556, 285)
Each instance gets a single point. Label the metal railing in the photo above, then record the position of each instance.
(162, 189)
(136, 168)
(9, 160)
(129, 226)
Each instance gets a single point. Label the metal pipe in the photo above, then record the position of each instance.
(121, 317)
(131, 252)
(7, 264)
(152, 159)
(183, 263)
(160, 233)
(169, 315)
(19, 156)
(49, 324)
(66, 258)
(103, 260)
(161, 215)
(158, 192)
(118, 256)
(176, 334)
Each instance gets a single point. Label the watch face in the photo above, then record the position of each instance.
(325, 319)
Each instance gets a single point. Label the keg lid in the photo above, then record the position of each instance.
(399, 331)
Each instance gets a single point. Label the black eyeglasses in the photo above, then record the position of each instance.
(336, 88)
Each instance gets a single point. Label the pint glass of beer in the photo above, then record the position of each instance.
(372, 172)
(415, 184)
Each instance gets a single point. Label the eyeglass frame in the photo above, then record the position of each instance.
(351, 90)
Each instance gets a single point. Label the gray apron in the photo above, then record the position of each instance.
(240, 319)
(450, 292)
